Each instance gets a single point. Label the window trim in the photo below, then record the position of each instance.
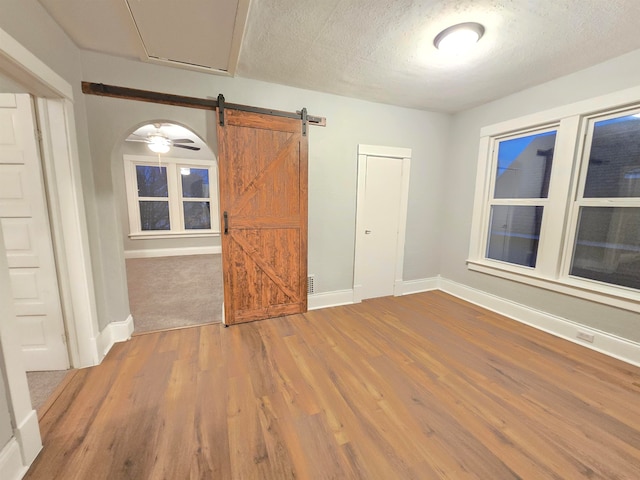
(559, 226)
(174, 197)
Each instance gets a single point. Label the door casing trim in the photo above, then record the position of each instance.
(403, 155)
(55, 113)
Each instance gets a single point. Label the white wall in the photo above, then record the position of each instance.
(6, 430)
(459, 180)
(6, 319)
(19, 435)
(332, 154)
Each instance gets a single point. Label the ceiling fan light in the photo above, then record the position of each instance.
(159, 144)
(459, 38)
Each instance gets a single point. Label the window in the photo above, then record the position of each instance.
(176, 197)
(521, 186)
(607, 240)
(558, 204)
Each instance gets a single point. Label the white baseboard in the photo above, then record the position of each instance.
(357, 293)
(21, 450)
(408, 287)
(604, 342)
(329, 299)
(11, 466)
(172, 252)
(113, 333)
(28, 437)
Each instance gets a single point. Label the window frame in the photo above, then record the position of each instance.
(566, 188)
(516, 201)
(174, 198)
(579, 201)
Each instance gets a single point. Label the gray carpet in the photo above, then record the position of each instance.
(43, 384)
(171, 292)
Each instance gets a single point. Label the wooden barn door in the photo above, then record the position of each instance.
(263, 211)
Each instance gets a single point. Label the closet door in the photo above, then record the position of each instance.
(263, 211)
(27, 238)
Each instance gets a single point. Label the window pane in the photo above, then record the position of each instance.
(608, 245)
(152, 181)
(197, 215)
(195, 182)
(524, 166)
(154, 215)
(514, 233)
(614, 160)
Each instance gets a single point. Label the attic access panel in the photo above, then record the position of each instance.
(198, 33)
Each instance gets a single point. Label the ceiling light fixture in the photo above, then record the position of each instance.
(158, 143)
(459, 38)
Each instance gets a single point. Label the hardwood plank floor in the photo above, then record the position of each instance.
(424, 386)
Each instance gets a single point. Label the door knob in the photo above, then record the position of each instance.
(367, 232)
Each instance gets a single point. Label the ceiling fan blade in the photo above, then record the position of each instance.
(143, 140)
(182, 140)
(188, 147)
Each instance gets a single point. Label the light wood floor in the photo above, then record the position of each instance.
(423, 386)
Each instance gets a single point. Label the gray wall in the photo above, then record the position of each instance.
(332, 154)
(459, 179)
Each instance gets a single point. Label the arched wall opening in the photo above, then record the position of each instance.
(165, 183)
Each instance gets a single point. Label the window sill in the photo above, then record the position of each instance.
(160, 235)
(619, 297)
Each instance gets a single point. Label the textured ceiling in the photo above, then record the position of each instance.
(382, 50)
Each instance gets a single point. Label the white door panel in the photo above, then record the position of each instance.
(18, 235)
(7, 127)
(383, 192)
(25, 225)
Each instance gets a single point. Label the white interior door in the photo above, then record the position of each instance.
(27, 237)
(383, 184)
(381, 220)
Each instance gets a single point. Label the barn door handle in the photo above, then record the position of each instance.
(226, 223)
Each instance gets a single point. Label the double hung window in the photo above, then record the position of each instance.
(558, 203)
(177, 197)
(607, 233)
(520, 190)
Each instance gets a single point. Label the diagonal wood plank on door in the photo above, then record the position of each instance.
(265, 266)
(264, 176)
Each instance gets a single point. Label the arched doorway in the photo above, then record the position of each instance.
(171, 229)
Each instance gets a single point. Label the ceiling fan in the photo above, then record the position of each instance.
(159, 142)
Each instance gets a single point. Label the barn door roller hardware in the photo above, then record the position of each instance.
(304, 118)
(193, 102)
(221, 111)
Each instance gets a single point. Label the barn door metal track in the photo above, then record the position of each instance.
(193, 102)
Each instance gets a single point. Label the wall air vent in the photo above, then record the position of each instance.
(311, 286)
